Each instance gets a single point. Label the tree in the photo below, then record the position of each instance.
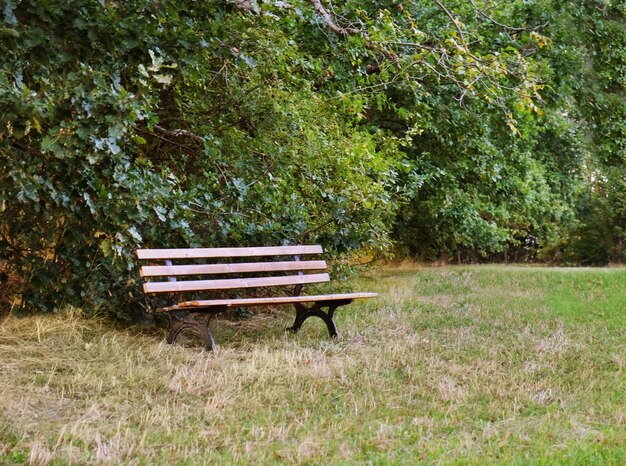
(184, 123)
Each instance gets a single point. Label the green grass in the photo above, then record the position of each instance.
(472, 365)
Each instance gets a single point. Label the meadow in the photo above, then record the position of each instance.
(450, 365)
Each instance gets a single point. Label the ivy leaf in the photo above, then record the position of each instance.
(163, 78)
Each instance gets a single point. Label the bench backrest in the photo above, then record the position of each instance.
(199, 269)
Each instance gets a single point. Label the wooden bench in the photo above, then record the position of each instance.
(271, 275)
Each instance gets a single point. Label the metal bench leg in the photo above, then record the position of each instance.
(203, 320)
(177, 322)
(303, 313)
(199, 321)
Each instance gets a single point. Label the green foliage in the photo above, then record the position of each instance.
(589, 84)
(600, 235)
(482, 189)
(484, 184)
(447, 128)
(166, 124)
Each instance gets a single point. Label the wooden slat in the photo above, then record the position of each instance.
(232, 283)
(267, 301)
(208, 269)
(203, 253)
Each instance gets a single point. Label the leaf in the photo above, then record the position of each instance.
(48, 144)
(135, 234)
(163, 78)
(9, 32)
(251, 62)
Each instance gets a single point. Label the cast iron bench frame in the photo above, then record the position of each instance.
(264, 268)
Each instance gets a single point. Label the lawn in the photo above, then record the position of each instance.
(467, 365)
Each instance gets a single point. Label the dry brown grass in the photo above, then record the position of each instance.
(449, 365)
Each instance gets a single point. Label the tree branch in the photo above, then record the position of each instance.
(179, 132)
(319, 8)
(489, 18)
(454, 21)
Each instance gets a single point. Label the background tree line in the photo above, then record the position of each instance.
(435, 129)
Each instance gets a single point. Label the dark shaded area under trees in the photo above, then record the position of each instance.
(437, 130)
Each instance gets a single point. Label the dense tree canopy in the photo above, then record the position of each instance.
(436, 128)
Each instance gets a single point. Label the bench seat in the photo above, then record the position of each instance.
(243, 302)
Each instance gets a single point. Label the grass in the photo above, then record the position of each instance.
(498, 365)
